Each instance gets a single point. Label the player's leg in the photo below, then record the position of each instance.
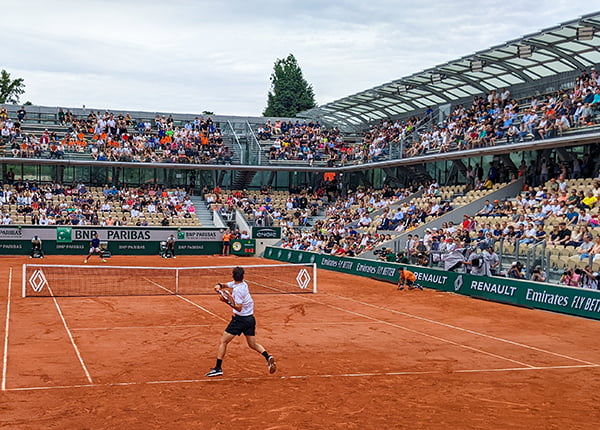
(253, 344)
(90, 253)
(225, 339)
(222, 350)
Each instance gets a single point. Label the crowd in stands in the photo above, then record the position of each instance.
(500, 119)
(76, 204)
(312, 142)
(562, 211)
(110, 137)
(342, 231)
(493, 119)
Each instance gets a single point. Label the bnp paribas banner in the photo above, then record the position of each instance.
(567, 300)
(67, 234)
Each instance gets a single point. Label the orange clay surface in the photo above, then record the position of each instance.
(357, 355)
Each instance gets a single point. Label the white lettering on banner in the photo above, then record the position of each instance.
(592, 305)
(346, 265)
(545, 297)
(504, 290)
(203, 235)
(329, 263)
(577, 302)
(133, 247)
(430, 277)
(366, 269)
(388, 271)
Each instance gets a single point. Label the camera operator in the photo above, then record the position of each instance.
(421, 256)
(491, 259)
(538, 275)
(477, 263)
(516, 271)
(402, 258)
(570, 277)
(454, 259)
(385, 254)
(588, 278)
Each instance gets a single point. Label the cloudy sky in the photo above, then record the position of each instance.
(190, 56)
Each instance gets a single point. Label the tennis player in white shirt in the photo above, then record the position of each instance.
(242, 321)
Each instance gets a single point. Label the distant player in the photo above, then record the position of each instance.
(94, 249)
(242, 321)
(407, 279)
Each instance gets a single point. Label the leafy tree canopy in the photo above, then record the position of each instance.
(10, 89)
(290, 93)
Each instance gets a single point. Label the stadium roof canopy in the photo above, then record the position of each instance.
(568, 47)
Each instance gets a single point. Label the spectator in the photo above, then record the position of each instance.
(538, 275)
(516, 271)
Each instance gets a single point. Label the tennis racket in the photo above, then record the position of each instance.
(226, 297)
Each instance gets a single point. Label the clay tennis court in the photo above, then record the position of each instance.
(358, 354)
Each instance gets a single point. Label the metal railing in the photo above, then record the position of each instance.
(254, 146)
(239, 149)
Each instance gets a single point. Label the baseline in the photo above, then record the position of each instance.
(293, 377)
(5, 354)
(140, 327)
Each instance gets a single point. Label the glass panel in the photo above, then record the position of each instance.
(559, 66)
(542, 71)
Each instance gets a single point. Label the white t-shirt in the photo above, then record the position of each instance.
(241, 294)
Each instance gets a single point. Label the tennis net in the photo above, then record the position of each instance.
(77, 281)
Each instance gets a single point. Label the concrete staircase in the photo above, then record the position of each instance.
(202, 211)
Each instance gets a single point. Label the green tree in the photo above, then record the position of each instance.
(290, 93)
(10, 89)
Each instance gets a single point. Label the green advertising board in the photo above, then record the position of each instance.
(64, 234)
(266, 232)
(567, 300)
(243, 247)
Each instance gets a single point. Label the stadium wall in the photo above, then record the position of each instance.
(566, 300)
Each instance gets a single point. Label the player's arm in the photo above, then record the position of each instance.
(226, 296)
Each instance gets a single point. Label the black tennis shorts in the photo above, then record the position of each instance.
(239, 325)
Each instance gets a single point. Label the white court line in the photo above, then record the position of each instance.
(189, 301)
(303, 377)
(143, 327)
(140, 327)
(160, 286)
(499, 339)
(5, 355)
(87, 373)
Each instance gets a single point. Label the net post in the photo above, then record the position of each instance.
(24, 281)
(177, 281)
(314, 278)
